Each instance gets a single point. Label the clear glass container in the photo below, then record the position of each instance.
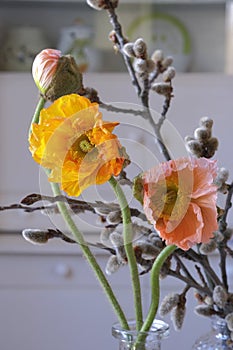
(219, 338)
(133, 340)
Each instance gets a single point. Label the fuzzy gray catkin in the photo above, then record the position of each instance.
(220, 296)
(168, 303)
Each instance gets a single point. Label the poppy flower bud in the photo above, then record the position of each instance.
(56, 75)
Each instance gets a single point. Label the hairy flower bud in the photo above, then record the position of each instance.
(112, 265)
(220, 296)
(162, 88)
(102, 4)
(36, 236)
(204, 310)
(213, 144)
(209, 247)
(206, 122)
(114, 217)
(177, 316)
(105, 233)
(228, 233)
(56, 75)
(218, 236)
(169, 74)
(194, 147)
(168, 303)
(229, 320)
(149, 251)
(157, 56)
(156, 240)
(222, 175)
(202, 134)
(129, 49)
(140, 65)
(166, 62)
(140, 48)
(150, 65)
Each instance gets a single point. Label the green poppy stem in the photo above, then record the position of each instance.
(155, 287)
(35, 118)
(90, 258)
(128, 237)
(80, 240)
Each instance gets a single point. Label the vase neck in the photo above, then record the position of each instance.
(222, 333)
(133, 340)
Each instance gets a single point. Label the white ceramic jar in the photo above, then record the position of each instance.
(20, 47)
(77, 40)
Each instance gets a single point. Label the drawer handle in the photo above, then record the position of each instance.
(63, 270)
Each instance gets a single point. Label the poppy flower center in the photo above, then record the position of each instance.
(170, 197)
(82, 145)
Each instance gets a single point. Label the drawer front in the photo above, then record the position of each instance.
(41, 270)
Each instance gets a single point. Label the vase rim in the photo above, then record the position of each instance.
(159, 330)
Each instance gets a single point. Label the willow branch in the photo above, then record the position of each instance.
(222, 229)
(121, 41)
(192, 283)
(204, 262)
(111, 108)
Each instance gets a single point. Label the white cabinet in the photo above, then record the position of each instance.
(209, 24)
(51, 299)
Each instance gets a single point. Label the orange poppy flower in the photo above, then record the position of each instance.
(74, 142)
(179, 198)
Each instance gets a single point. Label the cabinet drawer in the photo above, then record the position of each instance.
(21, 271)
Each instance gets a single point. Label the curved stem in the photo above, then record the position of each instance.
(36, 115)
(80, 240)
(128, 237)
(155, 289)
(90, 258)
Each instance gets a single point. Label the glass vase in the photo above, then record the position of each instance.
(133, 340)
(219, 338)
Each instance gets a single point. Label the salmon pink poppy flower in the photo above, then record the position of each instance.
(179, 198)
(74, 142)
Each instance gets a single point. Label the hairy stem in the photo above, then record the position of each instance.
(155, 287)
(90, 258)
(36, 115)
(128, 238)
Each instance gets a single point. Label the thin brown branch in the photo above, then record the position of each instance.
(223, 243)
(111, 108)
(189, 282)
(121, 41)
